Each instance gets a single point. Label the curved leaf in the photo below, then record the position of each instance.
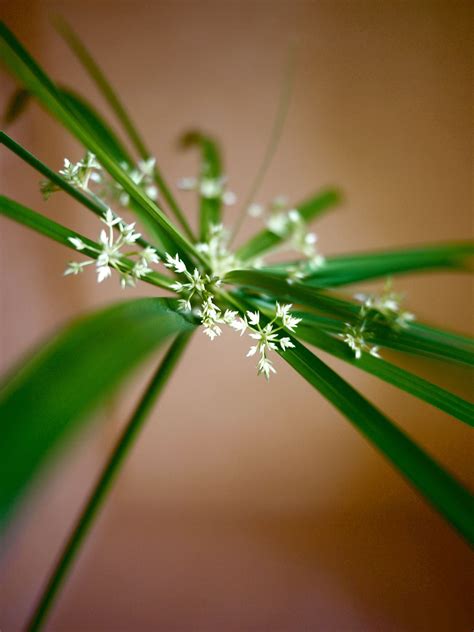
(211, 169)
(49, 396)
(308, 209)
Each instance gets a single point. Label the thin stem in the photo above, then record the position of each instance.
(105, 481)
(116, 105)
(275, 135)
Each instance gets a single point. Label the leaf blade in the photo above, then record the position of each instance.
(49, 396)
(441, 489)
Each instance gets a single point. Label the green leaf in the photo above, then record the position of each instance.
(104, 86)
(96, 126)
(50, 396)
(309, 209)
(211, 169)
(418, 339)
(27, 70)
(353, 268)
(401, 378)
(16, 106)
(442, 490)
(61, 234)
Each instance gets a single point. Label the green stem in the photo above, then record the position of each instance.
(275, 135)
(105, 481)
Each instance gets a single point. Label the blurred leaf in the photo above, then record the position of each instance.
(309, 209)
(443, 491)
(346, 269)
(96, 126)
(104, 86)
(16, 106)
(211, 170)
(50, 396)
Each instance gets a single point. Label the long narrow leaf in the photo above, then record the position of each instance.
(34, 78)
(211, 171)
(401, 378)
(47, 398)
(441, 489)
(104, 86)
(348, 269)
(96, 125)
(308, 209)
(416, 339)
(57, 232)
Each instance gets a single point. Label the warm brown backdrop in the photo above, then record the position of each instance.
(276, 516)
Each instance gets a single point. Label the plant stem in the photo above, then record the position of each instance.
(275, 135)
(105, 481)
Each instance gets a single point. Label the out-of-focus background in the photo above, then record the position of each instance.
(275, 515)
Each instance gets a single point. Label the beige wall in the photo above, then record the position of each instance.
(278, 515)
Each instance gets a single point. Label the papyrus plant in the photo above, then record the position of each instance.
(199, 280)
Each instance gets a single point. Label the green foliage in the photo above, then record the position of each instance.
(53, 392)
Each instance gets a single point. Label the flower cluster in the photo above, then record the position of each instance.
(266, 336)
(291, 227)
(78, 174)
(142, 175)
(385, 308)
(221, 260)
(109, 254)
(357, 338)
(88, 171)
(198, 293)
(209, 188)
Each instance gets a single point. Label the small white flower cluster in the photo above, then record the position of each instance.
(209, 188)
(221, 260)
(356, 337)
(200, 286)
(267, 336)
(78, 174)
(384, 307)
(292, 228)
(142, 175)
(88, 170)
(108, 257)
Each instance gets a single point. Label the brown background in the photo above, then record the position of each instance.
(274, 515)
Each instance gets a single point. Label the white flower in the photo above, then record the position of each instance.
(265, 366)
(356, 337)
(175, 263)
(285, 343)
(103, 272)
(75, 268)
(149, 254)
(255, 210)
(253, 318)
(240, 325)
(77, 243)
(187, 184)
(211, 188)
(229, 198)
